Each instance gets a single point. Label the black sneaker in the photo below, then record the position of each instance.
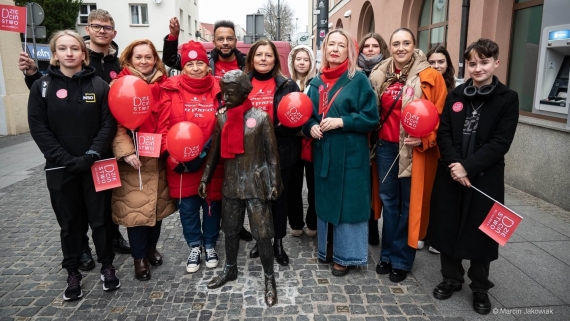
(73, 290)
(110, 280)
(120, 245)
(86, 262)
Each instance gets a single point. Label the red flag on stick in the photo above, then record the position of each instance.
(105, 174)
(13, 18)
(500, 223)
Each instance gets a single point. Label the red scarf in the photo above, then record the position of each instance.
(335, 73)
(232, 133)
(199, 85)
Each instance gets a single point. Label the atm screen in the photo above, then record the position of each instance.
(565, 69)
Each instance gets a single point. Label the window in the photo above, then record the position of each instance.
(433, 24)
(139, 14)
(182, 21)
(189, 24)
(84, 11)
(525, 38)
(195, 25)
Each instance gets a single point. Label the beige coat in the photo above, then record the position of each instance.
(132, 206)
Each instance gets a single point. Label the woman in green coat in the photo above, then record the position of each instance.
(344, 112)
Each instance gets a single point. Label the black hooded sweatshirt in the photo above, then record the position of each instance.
(72, 119)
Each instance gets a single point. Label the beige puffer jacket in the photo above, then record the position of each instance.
(412, 90)
(132, 206)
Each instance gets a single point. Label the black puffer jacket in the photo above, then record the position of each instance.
(69, 121)
(107, 67)
(289, 145)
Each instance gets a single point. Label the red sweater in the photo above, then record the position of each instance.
(201, 110)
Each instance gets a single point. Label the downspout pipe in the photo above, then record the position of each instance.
(463, 37)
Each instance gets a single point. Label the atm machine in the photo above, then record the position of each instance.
(551, 95)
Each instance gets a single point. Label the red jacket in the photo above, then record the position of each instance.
(201, 110)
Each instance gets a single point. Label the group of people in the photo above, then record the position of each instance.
(359, 163)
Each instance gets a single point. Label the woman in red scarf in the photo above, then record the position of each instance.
(344, 112)
(142, 210)
(194, 96)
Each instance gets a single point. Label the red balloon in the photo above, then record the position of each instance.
(130, 101)
(295, 109)
(184, 141)
(420, 117)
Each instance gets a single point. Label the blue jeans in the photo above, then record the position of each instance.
(205, 234)
(395, 196)
(350, 242)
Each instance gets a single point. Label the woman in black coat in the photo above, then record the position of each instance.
(476, 130)
(269, 87)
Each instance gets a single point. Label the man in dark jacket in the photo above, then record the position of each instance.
(103, 56)
(476, 129)
(223, 58)
(252, 177)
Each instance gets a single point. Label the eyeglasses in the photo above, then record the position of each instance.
(228, 39)
(97, 28)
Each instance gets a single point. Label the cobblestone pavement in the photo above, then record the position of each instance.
(32, 281)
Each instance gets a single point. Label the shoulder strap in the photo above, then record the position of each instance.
(382, 121)
(328, 106)
(99, 90)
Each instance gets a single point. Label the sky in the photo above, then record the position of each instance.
(236, 10)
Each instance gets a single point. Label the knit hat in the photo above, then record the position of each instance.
(193, 51)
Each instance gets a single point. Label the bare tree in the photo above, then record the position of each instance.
(269, 10)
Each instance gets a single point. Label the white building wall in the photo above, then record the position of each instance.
(159, 15)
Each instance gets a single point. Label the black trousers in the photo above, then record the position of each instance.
(143, 238)
(260, 223)
(113, 228)
(76, 204)
(280, 207)
(452, 271)
(295, 196)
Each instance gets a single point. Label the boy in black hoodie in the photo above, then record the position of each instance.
(70, 121)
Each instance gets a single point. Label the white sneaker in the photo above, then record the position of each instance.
(310, 233)
(193, 262)
(420, 245)
(297, 233)
(433, 250)
(211, 258)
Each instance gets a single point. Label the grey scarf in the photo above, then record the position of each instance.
(368, 63)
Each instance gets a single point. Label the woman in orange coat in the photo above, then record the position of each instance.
(406, 189)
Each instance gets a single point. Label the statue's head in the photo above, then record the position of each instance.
(235, 87)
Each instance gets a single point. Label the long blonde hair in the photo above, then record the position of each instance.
(352, 52)
(58, 34)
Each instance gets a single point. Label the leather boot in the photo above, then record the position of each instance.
(279, 253)
(86, 262)
(154, 257)
(142, 269)
(254, 253)
(228, 274)
(270, 291)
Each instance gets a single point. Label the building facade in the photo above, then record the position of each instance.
(145, 19)
(539, 159)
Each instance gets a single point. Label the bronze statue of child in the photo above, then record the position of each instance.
(244, 137)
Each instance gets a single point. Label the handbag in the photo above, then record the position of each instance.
(374, 134)
(307, 142)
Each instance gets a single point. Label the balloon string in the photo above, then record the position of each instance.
(180, 194)
(135, 136)
(394, 162)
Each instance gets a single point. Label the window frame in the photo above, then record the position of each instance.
(80, 15)
(431, 26)
(140, 5)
